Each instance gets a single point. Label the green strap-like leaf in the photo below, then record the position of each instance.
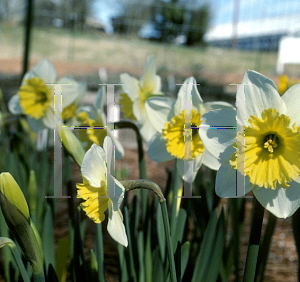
(62, 255)
(185, 252)
(210, 256)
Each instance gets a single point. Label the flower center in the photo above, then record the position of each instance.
(144, 95)
(271, 153)
(182, 142)
(271, 142)
(35, 97)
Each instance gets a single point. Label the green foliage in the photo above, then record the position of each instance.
(180, 20)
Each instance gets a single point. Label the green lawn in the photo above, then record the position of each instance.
(127, 51)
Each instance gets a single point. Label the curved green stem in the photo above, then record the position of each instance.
(142, 164)
(265, 247)
(253, 245)
(296, 232)
(149, 185)
(168, 239)
(144, 184)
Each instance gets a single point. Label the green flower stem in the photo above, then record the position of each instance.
(296, 232)
(20, 264)
(38, 278)
(253, 246)
(149, 185)
(235, 235)
(265, 247)
(144, 184)
(168, 238)
(131, 257)
(142, 164)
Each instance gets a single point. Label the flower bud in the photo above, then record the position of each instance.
(16, 214)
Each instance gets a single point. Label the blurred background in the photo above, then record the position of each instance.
(215, 41)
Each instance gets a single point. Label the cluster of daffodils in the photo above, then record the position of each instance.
(263, 148)
(254, 147)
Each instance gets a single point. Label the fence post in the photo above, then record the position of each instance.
(29, 18)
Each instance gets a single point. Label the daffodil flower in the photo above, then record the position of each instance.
(268, 138)
(285, 83)
(168, 118)
(101, 190)
(69, 112)
(35, 99)
(132, 102)
(92, 117)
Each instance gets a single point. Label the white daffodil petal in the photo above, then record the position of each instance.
(210, 161)
(130, 86)
(156, 149)
(102, 155)
(292, 102)
(157, 85)
(261, 95)
(149, 78)
(93, 166)
(139, 111)
(115, 191)
(216, 134)
(100, 99)
(187, 92)
(147, 130)
(188, 169)
(226, 183)
(37, 125)
(84, 109)
(282, 202)
(14, 105)
(110, 154)
(48, 119)
(119, 149)
(70, 93)
(90, 111)
(240, 108)
(159, 110)
(209, 106)
(101, 117)
(119, 152)
(44, 70)
(115, 226)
